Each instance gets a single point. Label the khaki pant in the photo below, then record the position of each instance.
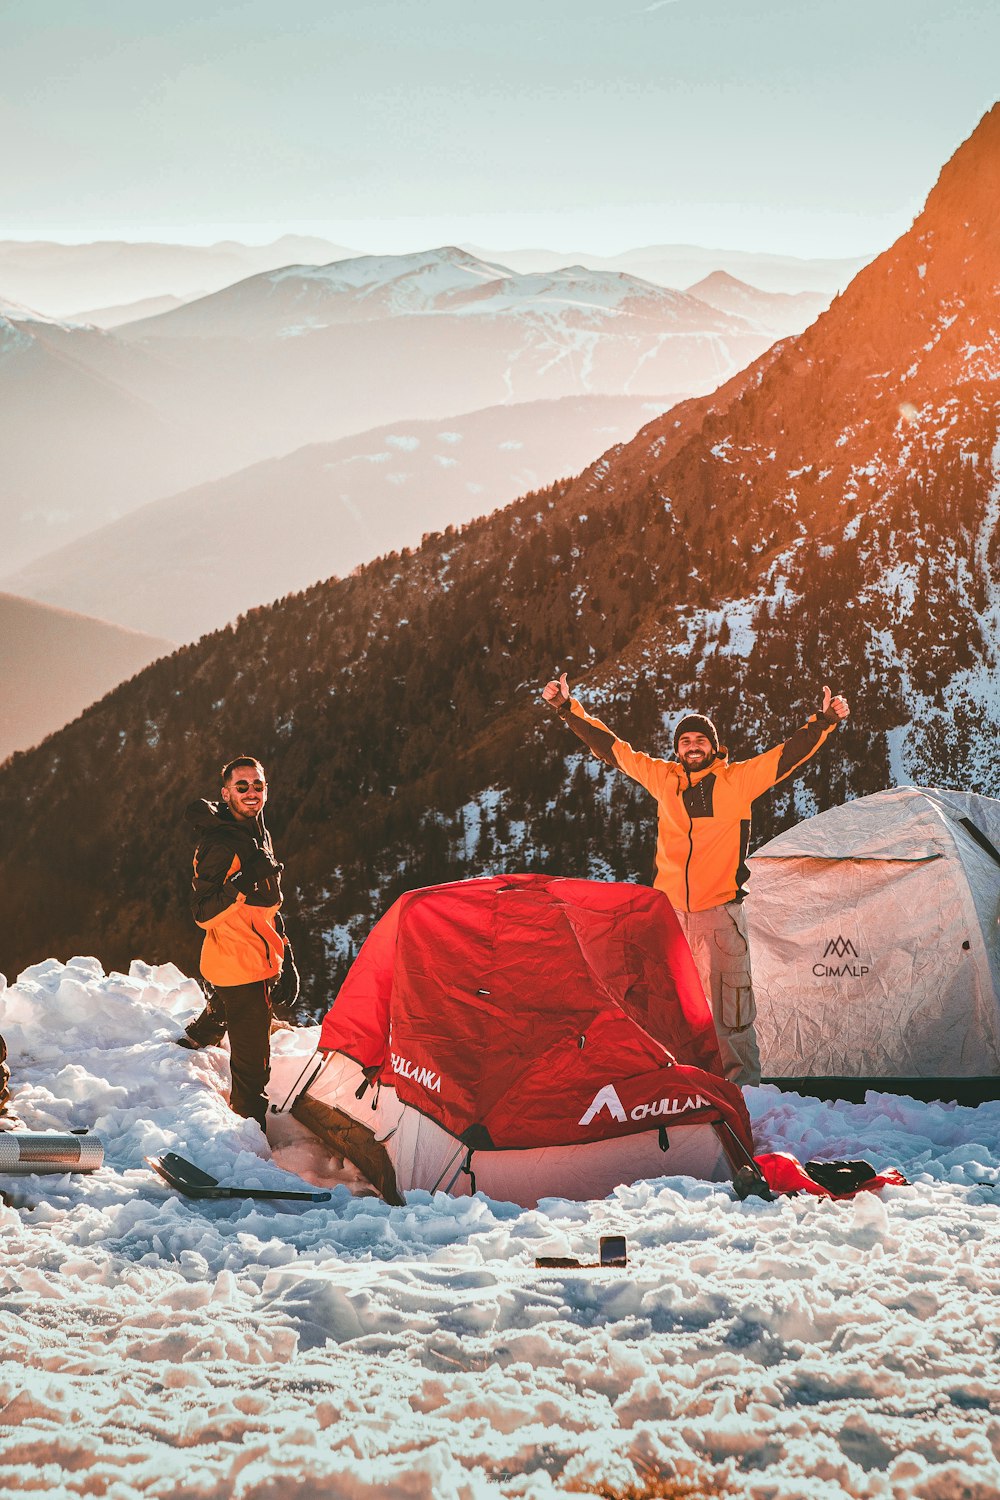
(718, 942)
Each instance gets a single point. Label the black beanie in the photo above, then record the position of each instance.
(697, 724)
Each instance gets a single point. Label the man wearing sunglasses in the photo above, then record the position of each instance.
(235, 899)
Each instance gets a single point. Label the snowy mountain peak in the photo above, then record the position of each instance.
(12, 334)
(301, 299)
(14, 312)
(396, 283)
(582, 294)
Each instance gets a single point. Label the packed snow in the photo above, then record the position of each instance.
(158, 1346)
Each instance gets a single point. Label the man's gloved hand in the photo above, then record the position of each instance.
(285, 989)
(259, 880)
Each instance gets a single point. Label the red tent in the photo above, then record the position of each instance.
(515, 1014)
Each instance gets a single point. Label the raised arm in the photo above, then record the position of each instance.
(595, 735)
(761, 772)
(599, 739)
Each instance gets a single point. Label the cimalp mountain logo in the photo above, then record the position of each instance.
(426, 1077)
(840, 947)
(607, 1098)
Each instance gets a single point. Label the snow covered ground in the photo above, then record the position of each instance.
(159, 1347)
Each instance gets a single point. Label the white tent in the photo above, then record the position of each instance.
(874, 939)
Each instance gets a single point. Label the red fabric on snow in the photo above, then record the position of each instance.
(523, 1010)
(785, 1174)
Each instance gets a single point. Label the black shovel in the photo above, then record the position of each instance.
(194, 1183)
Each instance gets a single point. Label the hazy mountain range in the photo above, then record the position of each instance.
(130, 312)
(681, 265)
(224, 547)
(777, 313)
(65, 280)
(84, 437)
(61, 279)
(54, 663)
(829, 515)
(104, 421)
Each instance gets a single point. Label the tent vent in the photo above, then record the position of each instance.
(967, 945)
(664, 1139)
(582, 1043)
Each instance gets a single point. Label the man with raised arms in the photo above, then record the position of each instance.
(704, 806)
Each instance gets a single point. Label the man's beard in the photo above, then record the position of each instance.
(697, 761)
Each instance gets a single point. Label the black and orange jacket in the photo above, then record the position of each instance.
(242, 943)
(704, 817)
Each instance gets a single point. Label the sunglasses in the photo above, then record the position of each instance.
(244, 786)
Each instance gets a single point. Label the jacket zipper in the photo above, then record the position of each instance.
(687, 867)
(263, 940)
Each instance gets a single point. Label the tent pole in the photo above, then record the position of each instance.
(445, 1168)
(295, 1090)
(735, 1149)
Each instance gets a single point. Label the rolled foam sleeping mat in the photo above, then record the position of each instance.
(26, 1151)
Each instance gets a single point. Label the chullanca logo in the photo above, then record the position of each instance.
(426, 1077)
(843, 948)
(608, 1098)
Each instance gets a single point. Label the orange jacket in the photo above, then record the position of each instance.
(704, 818)
(242, 943)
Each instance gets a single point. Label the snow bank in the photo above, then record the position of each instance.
(160, 1347)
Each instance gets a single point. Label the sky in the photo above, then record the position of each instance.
(786, 126)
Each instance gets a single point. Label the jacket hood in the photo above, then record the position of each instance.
(204, 815)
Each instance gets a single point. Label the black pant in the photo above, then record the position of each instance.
(208, 1029)
(248, 1019)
